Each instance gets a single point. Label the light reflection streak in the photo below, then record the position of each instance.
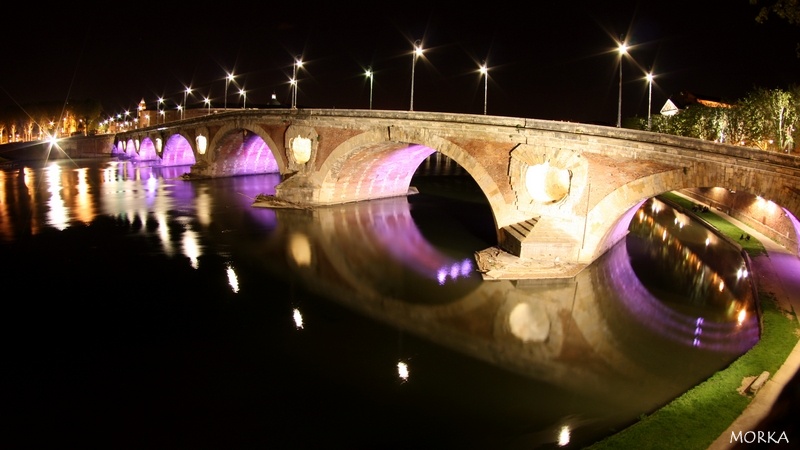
(298, 318)
(233, 280)
(57, 216)
(679, 327)
(403, 371)
(191, 247)
(563, 436)
(84, 208)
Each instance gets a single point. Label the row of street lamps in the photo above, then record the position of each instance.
(369, 73)
(623, 50)
(417, 52)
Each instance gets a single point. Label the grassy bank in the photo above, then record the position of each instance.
(697, 418)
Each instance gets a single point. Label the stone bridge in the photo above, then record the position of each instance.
(561, 193)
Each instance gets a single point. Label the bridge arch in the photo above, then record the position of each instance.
(557, 190)
(374, 164)
(178, 150)
(242, 150)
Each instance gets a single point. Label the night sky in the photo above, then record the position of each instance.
(553, 60)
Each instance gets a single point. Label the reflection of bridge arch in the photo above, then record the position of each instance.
(561, 332)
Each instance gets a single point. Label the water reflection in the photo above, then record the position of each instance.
(348, 301)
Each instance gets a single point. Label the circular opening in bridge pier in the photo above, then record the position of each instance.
(547, 184)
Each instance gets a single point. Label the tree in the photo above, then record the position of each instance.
(788, 10)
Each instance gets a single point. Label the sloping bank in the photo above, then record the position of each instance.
(701, 415)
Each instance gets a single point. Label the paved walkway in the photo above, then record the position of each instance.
(776, 406)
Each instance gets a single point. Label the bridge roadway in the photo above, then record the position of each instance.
(561, 193)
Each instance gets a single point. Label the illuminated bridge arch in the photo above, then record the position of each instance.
(236, 150)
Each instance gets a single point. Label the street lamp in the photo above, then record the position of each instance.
(185, 93)
(180, 111)
(208, 102)
(649, 98)
(622, 50)
(297, 63)
(369, 75)
(244, 96)
(417, 54)
(158, 106)
(485, 73)
(228, 80)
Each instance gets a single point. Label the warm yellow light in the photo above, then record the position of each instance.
(402, 370)
(298, 318)
(233, 280)
(742, 315)
(563, 436)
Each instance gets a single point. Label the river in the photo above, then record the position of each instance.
(143, 310)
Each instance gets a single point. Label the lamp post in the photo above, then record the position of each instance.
(622, 50)
(297, 63)
(158, 106)
(180, 111)
(649, 98)
(208, 102)
(417, 54)
(369, 75)
(243, 93)
(185, 94)
(228, 80)
(485, 73)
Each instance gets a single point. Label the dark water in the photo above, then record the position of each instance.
(141, 310)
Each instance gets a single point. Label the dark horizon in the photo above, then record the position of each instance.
(549, 61)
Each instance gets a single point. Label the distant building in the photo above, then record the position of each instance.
(682, 100)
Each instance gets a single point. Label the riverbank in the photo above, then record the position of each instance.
(710, 415)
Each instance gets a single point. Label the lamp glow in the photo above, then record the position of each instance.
(417, 54)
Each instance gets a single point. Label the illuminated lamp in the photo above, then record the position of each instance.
(301, 149)
(202, 144)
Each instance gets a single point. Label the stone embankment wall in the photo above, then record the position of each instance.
(751, 210)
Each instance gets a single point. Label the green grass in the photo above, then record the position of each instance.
(698, 417)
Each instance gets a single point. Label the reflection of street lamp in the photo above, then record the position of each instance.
(649, 98)
(622, 50)
(417, 54)
(369, 75)
(297, 63)
(244, 95)
(185, 93)
(208, 102)
(228, 80)
(485, 73)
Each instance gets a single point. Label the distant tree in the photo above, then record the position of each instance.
(788, 10)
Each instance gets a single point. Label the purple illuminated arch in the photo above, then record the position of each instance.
(243, 152)
(177, 152)
(147, 150)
